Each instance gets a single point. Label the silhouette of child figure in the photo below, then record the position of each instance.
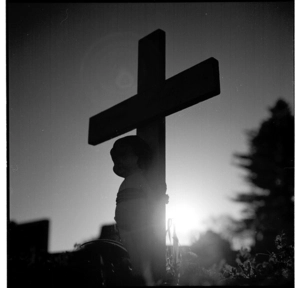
(131, 157)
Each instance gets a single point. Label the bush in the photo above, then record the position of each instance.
(272, 268)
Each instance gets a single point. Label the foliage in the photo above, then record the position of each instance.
(194, 274)
(185, 269)
(173, 257)
(212, 248)
(275, 268)
(270, 173)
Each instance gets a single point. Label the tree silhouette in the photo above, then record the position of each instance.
(270, 173)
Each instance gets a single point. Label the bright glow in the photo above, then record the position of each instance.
(186, 220)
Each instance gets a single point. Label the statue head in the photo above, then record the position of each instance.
(130, 154)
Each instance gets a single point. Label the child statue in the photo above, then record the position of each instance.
(132, 156)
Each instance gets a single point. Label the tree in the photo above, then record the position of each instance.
(270, 173)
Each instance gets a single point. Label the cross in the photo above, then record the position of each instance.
(146, 112)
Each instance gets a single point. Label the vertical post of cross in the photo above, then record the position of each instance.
(151, 76)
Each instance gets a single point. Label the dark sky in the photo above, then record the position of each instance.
(68, 62)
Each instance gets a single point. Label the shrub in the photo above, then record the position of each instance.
(272, 268)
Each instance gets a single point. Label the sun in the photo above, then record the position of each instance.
(186, 220)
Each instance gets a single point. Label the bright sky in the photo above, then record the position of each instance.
(68, 62)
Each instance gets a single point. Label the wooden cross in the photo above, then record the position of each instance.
(146, 111)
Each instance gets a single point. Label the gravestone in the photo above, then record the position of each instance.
(28, 238)
(146, 112)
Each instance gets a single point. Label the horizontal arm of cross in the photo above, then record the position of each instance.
(183, 90)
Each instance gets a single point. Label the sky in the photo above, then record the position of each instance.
(68, 62)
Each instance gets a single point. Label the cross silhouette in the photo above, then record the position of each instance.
(146, 112)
